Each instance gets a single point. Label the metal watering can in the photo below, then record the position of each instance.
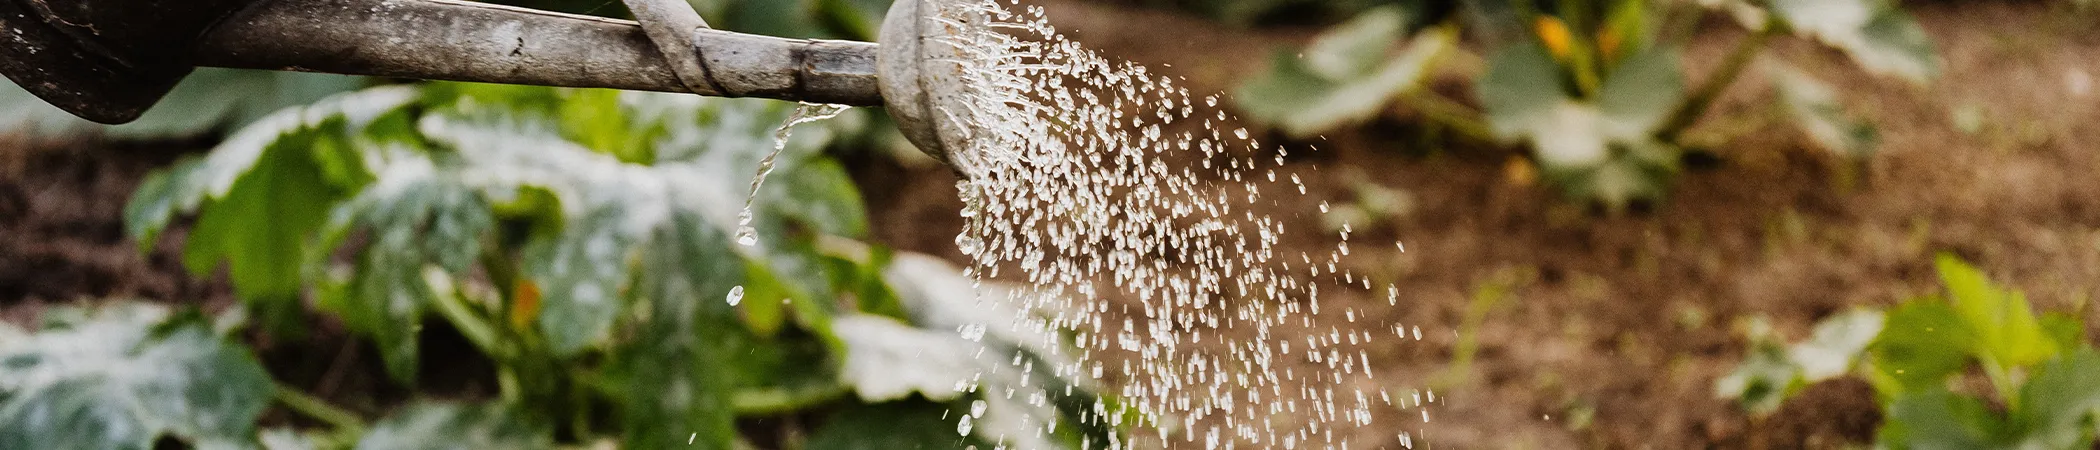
(110, 60)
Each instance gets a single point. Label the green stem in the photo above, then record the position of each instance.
(344, 421)
(1703, 98)
(471, 324)
(2001, 380)
(1442, 111)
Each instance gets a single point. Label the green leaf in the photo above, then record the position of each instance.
(1877, 35)
(1922, 343)
(1303, 100)
(1815, 108)
(185, 187)
(2060, 402)
(1353, 48)
(1640, 94)
(122, 377)
(413, 217)
(1937, 419)
(260, 227)
(679, 367)
(2006, 329)
(435, 426)
(1522, 89)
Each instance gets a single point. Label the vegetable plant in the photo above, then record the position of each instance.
(1593, 88)
(579, 239)
(2038, 389)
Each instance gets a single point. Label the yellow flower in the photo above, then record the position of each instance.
(525, 304)
(1554, 34)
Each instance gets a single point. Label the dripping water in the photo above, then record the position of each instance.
(806, 113)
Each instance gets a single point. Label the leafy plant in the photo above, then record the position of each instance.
(579, 239)
(1593, 87)
(124, 377)
(2039, 369)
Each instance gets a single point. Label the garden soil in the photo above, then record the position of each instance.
(1616, 325)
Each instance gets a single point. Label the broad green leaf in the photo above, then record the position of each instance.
(413, 217)
(122, 377)
(2006, 329)
(1640, 94)
(2060, 402)
(678, 370)
(1521, 89)
(899, 425)
(438, 426)
(1936, 419)
(1815, 108)
(1877, 35)
(260, 227)
(188, 185)
(1353, 48)
(1922, 343)
(1303, 102)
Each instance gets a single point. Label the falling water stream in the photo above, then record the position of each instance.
(1130, 216)
(806, 113)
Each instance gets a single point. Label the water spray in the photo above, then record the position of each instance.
(110, 60)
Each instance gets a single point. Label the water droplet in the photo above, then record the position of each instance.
(977, 408)
(736, 295)
(963, 427)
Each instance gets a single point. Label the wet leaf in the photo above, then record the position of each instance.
(436, 426)
(122, 377)
(413, 216)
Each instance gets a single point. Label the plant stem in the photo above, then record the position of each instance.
(1453, 115)
(472, 325)
(344, 421)
(1689, 112)
(2001, 380)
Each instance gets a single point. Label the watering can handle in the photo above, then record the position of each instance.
(467, 41)
(110, 60)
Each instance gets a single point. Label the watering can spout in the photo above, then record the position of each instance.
(110, 60)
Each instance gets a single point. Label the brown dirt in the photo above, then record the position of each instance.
(61, 229)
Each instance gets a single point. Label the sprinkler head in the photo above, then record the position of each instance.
(921, 85)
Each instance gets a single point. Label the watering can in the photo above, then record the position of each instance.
(110, 60)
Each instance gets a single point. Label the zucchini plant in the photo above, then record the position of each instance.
(1925, 359)
(1593, 88)
(578, 239)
